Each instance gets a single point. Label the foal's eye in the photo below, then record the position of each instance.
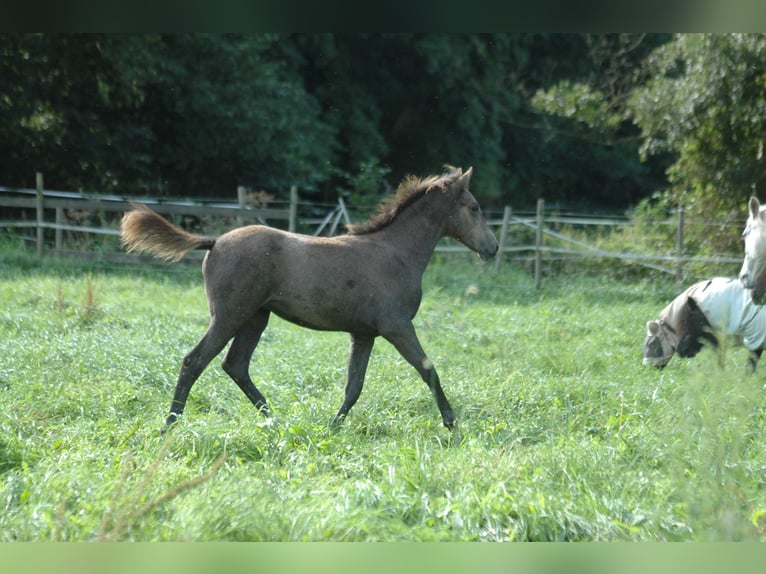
(475, 208)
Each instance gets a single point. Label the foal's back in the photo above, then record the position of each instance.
(346, 283)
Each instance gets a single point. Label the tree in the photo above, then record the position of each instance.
(586, 120)
(706, 103)
(71, 107)
(411, 102)
(159, 114)
(537, 115)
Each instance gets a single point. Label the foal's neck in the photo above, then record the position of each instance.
(419, 228)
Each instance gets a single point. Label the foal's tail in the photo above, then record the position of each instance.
(143, 230)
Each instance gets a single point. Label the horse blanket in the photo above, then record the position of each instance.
(704, 311)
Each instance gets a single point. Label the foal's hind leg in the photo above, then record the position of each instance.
(359, 356)
(237, 361)
(194, 363)
(406, 342)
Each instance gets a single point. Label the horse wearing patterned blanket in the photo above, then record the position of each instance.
(701, 314)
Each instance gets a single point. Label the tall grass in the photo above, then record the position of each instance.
(562, 434)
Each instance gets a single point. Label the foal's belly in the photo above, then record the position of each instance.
(326, 317)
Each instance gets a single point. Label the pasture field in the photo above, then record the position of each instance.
(562, 435)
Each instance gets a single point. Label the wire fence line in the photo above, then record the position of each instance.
(72, 212)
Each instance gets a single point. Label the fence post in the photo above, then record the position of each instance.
(680, 245)
(293, 221)
(59, 232)
(503, 236)
(539, 243)
(242, 201)
(341, 213)
(344, 212)
(40, 216)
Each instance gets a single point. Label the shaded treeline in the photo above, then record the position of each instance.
(198, 115)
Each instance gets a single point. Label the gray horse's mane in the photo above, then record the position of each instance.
(410, 190)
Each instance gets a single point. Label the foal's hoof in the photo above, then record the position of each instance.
(169, 422)
(337, 421)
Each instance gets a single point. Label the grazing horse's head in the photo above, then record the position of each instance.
(467, 224)
(753, 273)
(660, 344)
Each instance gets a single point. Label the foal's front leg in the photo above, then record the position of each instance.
(359, 356)
(406, 342)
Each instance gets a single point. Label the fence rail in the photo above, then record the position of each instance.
(40, 203)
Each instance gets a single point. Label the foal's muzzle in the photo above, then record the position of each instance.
(488, 247)
(489, 253)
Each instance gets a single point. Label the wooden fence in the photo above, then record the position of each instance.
(326, 219)
(677, 259)
(43, 203)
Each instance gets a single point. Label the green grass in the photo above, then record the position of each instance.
(563, 435)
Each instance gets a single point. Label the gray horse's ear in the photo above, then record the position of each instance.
(652, 328)
(755, 208)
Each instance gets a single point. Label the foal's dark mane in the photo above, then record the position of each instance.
(409, 191)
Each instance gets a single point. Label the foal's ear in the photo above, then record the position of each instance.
(754, 206)
(653, 328)
(465, 179)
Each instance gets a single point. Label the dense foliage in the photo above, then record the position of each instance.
(351, 113)
(578, 119)
(706, 103)
(700, 105)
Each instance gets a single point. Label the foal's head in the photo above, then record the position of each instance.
(466, 223)
(462, 220)
(753, 273)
